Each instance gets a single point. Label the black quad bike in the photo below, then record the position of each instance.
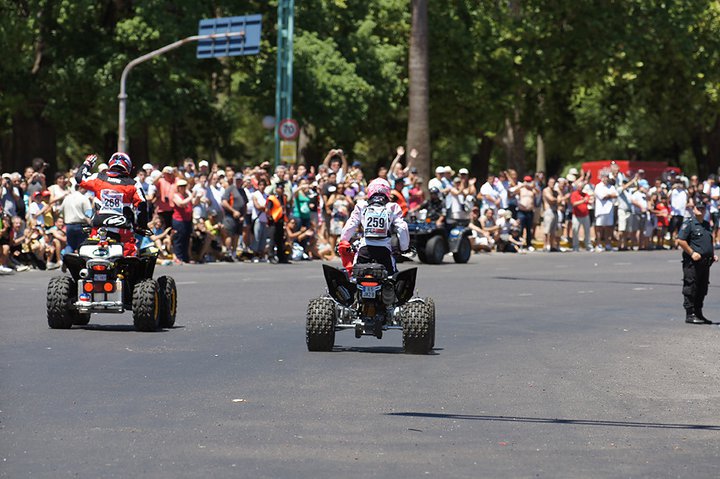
(102, 280)
(370, 302)
(433, 242)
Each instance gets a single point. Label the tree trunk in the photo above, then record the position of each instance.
(139, 149)
(712, 141)
(540, 157)
(514, 143)
(418, 134)
(33, 137)
(480, 160)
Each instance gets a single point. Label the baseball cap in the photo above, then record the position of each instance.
(147, 166)
(238, 176)
(448, 169)
(7, 175)
(102, 167)
(573, 171)
(440, 169)
(527, 178)
(464, 171)
(203, 163)
(356, 164)
(643, 184)
(181, 182)
(167, 169)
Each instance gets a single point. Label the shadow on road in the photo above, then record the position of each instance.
(594, 281)
(569, 422)
(379, 350)
(120, 328)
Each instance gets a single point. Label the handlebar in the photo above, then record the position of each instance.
(143, 231)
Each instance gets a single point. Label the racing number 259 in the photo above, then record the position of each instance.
(376, 222)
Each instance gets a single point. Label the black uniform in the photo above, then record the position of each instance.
(435, 208)
(696, 274)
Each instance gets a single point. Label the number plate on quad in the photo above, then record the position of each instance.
(100, 277)
(368, 291)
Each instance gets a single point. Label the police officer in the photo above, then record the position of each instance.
(696, 241)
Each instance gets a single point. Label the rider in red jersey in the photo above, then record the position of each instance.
(120, 197)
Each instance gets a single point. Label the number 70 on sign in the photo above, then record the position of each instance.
(288, 129)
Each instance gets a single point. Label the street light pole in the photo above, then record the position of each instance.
(122, 97)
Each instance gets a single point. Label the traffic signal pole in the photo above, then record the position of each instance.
(283, 88)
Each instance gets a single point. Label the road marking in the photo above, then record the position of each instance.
(186, 282)
(586, 292)
(622, 264)
(525, 294)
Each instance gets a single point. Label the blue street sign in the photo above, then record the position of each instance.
(249, 44)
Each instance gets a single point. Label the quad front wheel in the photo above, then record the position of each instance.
(320, 325)
(418, 331)
(146, 305)
(464, 251)
(435, 250)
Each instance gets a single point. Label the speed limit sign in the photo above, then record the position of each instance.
(288, 129)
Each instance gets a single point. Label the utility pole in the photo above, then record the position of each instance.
(122, 140)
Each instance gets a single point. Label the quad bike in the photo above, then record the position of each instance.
(102, 280)
(370, 302)
(433, 242)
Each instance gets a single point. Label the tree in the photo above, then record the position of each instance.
(418, 132)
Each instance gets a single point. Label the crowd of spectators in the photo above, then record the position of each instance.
(204, 212)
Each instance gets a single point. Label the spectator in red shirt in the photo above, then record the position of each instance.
(580, 215)
(662, 212)
(416, 195)
(165, 192)
(183, 203)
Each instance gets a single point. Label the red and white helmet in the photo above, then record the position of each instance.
(378, 186)
(120, 162)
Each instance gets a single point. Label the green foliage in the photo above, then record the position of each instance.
(618, 78)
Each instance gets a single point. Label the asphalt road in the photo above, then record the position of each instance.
(546, 365)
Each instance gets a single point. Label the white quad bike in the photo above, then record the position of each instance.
(102, 280)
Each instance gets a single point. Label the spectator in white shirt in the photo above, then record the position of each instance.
(489, 195)
(605, 195)
(678, 206)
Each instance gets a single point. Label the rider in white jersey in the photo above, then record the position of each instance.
(379, 219)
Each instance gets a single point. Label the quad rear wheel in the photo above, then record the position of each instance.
(60, 293)
(168, 301)
(431, 305)
(417, 328)
(146, 305)
(320, 325)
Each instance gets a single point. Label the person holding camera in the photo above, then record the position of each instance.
(9, 196)
(696, 241)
